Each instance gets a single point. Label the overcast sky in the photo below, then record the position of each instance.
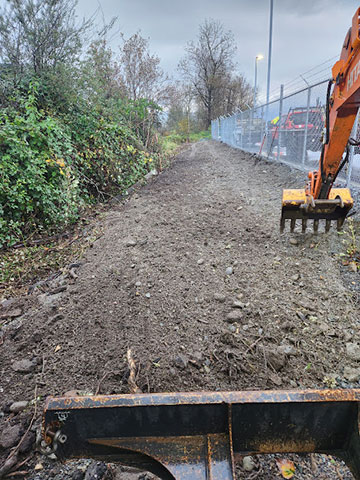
(305, 32)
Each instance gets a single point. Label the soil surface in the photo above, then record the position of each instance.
(193, 275)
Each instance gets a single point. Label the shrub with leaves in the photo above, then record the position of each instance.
(38, 188)
(51, 165)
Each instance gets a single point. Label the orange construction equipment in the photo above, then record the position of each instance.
(319, 200)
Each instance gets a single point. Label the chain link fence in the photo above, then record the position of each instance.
(287, 130)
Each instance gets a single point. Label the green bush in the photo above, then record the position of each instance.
(51, 165)
(38, 189)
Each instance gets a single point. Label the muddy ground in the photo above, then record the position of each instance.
(193, 275)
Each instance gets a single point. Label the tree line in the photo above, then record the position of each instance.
(80, 121)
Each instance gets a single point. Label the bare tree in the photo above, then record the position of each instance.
(141, 71)
(208, 63)
(236, 93)
(39, 34)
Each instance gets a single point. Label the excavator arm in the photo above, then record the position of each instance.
(319, 200)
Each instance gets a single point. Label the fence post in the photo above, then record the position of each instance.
(352, 149)
(279, 121)
(306, 127)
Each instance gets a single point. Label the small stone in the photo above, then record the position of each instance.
(206, 369)
(28, 442)
(274, 377)
(10, 435)
(238, 304)
(17, 407)
(38, 466)
(138, 284)
(78, 475)
(301, 315)
(229, 271)
(200, 261)
(7, 302)
(327, 329)
(147, 295)
(347, 336)
(295, 278)
(352, 374)
(232, 328)
(293, 241)
(24, 366)
(248, 463)
(49, 301)
(234, 316)
(219, 297)
(131, 243)
(181, 361)
(16, 312)
(96, 471)
(276, 359)
(71, 393)
(287, 350)
(353, 351)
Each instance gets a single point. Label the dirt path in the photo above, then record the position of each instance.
(156, 282)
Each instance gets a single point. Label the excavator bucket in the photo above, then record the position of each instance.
(196, 436)
(296, 204)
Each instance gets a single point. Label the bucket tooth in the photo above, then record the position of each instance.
(292, 225)
(327, 225)
(303, 225)
(339, 223)
(282, 225)
(316, 226)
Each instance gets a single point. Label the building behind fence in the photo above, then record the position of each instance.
(288, 130)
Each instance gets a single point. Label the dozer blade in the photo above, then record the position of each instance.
(297, 205)
(195, 436)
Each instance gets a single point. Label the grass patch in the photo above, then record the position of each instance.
(171, 141)
(351, 242)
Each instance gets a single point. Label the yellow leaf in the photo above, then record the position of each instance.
(57, 348)
(286, 467)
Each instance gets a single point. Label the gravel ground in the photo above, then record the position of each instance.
(193, 275)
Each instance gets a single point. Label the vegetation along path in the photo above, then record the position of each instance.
(193, 275)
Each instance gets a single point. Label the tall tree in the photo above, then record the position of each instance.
(208, 63)
(39, 34)
(141, 71)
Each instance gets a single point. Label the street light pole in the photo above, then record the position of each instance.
(257, 58)
(269, 53)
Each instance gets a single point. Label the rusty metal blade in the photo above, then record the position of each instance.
(194, 435)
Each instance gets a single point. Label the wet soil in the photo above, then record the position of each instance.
(193, 275)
